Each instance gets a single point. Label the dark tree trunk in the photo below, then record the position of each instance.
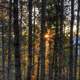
(38, 68)
(29, 72)
(16, 41)
(77, 35)
(42, 42)
(9, 39)
(51, 62)
(34, 40)
(71, 42)
(3, 53)
(61, 49)
(57, 43)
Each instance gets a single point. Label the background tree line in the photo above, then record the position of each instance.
(39, 40)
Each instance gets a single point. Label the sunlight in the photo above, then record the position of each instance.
(67, 29)
(74, 29)
(47, 36)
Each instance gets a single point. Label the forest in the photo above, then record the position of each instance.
(39, 39)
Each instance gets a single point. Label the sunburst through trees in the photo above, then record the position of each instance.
(39, 39)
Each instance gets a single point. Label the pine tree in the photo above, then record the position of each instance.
(71, 42)
(3, 53)
(9, 39)
(16, 41)
(29, 72)
(57, 42)
(42, 42)
(61, 50)
(76, 48)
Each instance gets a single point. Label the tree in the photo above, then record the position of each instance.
(71, 42)
(3, 55)
(29, 73)
(16, 41)
(77, 35)
(9, 40)
(42, 41)
(61, 50)
(57, 41)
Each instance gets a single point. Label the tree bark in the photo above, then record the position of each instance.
(61, 49)
(42, 41)
(3, 53)
(77, 36)
(29, 72)
(71, 42)
(16, 41)
(9, 39)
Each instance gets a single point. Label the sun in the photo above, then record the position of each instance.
(46, 36)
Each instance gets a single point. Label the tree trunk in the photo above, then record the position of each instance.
(9, 39)
(77, 34)
(29, 72)
(16, 41)
(3, 53)
(56, 45)
(71, 42)
(61, 49)
(42, 42)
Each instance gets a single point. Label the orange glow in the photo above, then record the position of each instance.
(47, 36)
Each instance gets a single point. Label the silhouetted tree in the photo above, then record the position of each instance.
(61, 49)
(71, 42)
(16, 41)
(29, 72)
(9, 39)
(57, 41)
(3, 52)
(77, 36)
(42, 41)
